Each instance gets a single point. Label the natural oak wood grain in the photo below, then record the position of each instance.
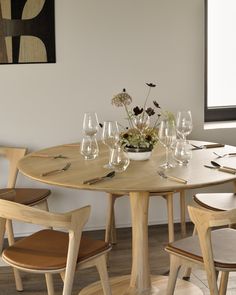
(138, 180)
(139, 176)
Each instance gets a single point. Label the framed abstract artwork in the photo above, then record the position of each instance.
(27, 31)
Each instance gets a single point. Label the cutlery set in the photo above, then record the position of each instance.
(214, 165)
(49, 156)
(170, 177)
(218, 167)
(207, 146)
(56, 171)
(98, 179)
(224, 155)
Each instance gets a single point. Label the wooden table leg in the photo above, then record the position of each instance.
(140, 274)
(140, 281)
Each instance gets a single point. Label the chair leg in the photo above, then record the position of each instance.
(11, 240)
(188, 270)
(223, 282)
(102, 270)
(170, 213)
(174, 269)
(49, 282)
(110, 233)
(182, 213)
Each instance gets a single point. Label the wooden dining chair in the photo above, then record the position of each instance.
(214, 202)
(212, 249)
(110, 232)
(27, 196)
(50, 251)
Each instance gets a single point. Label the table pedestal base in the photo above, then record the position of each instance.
(120, 286)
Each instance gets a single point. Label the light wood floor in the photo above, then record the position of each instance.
(120, 262)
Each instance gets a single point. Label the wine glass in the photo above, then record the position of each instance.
(167, 136)
(89, 147)
(141, 122)
(110, 137)
(119, 159)
(90, 124)
(182, 152)
(184, 123)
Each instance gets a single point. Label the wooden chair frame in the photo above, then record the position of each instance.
(73, 222)
(204, 220)
(110, 233)
(13, 155)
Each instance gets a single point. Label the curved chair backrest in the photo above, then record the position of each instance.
(72, 221)
(204, 221)
(13, 155)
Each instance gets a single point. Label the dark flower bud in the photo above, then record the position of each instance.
(150, 112)
(124, 90)
(137, 111)
(156, 104)
(100, 124)
(148, 137)
(126, 135)
(151, 84)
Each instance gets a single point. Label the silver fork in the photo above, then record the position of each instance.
(174, 178)
(48, 156)
(224, 155)
(57, 170)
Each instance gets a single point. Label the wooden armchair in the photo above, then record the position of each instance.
(51, 251)
(27, 196)
(213, 250)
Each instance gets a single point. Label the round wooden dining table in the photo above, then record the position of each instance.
(140, 179)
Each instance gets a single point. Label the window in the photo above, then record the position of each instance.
(220, 60)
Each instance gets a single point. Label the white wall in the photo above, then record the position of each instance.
(103, 46)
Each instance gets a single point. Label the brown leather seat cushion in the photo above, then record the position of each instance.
(47, 250)
(223, 245)
(217, 202)
(26, 196)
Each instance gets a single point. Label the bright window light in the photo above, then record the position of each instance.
(221, 53)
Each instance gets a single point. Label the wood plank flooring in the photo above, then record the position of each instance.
(120, 262)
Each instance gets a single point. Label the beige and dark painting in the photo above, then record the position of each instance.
(27, 31)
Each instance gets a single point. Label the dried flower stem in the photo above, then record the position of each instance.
(129, 120)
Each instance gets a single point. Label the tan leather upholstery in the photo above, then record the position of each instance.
(216, 202)
(25, 196)
(223, 245)
(47, 250)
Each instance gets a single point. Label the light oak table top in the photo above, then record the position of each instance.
(139, 176)
(138, 180)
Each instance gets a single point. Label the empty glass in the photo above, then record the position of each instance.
(167, 136)
(119, 159)
(90, 124)
(184, 123)
(141, 122)
(89, 147)
(110, 137)
(182, 152)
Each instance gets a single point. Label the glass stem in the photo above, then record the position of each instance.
(110, 152)
(167, 155)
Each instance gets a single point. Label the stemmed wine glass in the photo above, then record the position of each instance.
(89, 146)
(184, 124)
(167, 136)
(110, 137)
(90, 124)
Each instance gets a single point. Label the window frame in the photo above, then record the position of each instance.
(212, 114)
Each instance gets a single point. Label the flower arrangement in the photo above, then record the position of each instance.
(140, 134)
